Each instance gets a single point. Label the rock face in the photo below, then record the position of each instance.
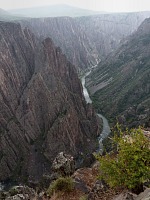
(64, 164)
(86, 40)
(121, 84)
(106, 31)
(19, 193)
(69, 36)
(130, 196)
(144, 195)
(42, 109)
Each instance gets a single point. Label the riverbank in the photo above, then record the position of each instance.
(106, 128)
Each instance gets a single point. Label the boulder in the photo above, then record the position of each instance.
(19, 193)
(81, 185)
(84, 179)
(125, 196)
(63, 164)
(144, 195)
(99, 188)
(131, 196)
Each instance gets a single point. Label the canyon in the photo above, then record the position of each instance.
(43, 110)
(42, 107)
(86, 40)
(120, 86)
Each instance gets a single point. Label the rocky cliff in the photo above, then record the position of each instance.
(42, 109)
(107, 31)
(120, 86)
(86, 40)
(69, 36)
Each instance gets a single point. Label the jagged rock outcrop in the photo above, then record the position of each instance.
(42, 109)
(86, 40)
(121, 84)
(64, 164)
(19, 193)
(69, 36)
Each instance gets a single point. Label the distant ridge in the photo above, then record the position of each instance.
(54, 11)
(6, 16)
(3, 12)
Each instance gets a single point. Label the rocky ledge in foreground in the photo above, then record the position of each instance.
(86, 186)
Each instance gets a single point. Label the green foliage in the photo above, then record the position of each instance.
(13, 191)
(130, 165)
(62, 184)
(84, 197)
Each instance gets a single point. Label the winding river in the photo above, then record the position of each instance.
(106, 128)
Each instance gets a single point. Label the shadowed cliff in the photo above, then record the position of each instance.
(86, 40)
(42, 109)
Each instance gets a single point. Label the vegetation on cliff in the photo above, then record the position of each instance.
(62, 184)
(129, 164)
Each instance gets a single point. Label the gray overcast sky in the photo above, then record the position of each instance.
(102, 5)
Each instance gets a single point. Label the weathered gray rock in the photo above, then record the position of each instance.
(125, 196)
(81, 185)
(130, 196)
(64, 164)
(84, 179)
(86, 40)
(42, 108)
(19, 193)
(144, 195)
(106, 32)
(99, 188)
(69, 36)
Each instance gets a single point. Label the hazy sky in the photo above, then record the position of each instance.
(102, 5)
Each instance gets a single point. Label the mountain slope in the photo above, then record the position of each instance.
(120, 86)
(6, 16)
(85, 40)
(53, 11)
(106, 31)
(69, 36)
(42, 109)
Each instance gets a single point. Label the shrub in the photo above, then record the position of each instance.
(84, 197)
(62, 184)
(13, 191)
(130, 165)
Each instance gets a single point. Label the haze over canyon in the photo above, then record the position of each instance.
(43, 58)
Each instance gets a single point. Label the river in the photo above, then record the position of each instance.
(1, 186)
(106, 128)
